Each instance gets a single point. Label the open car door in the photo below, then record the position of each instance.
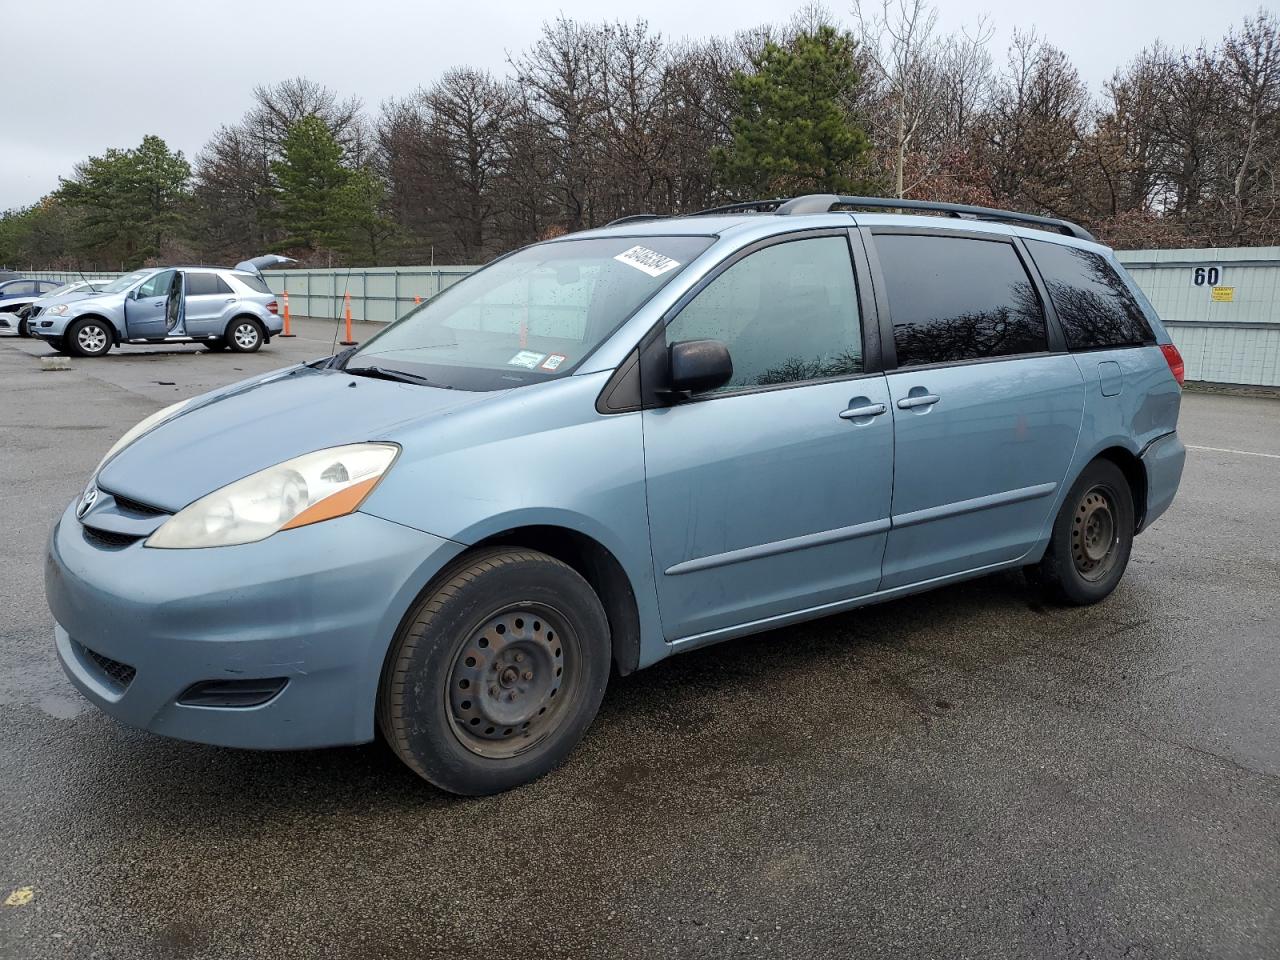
(175, 306)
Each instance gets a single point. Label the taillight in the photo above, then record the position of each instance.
(274, 307)
(1174, 359)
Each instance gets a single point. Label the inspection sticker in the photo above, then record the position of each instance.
(647, 261)
(553, 361)
(527, 359)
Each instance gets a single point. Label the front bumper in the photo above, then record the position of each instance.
(1162, 462)
(316, 606)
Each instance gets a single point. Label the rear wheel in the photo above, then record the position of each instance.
(1092, 537)
(89, 337)
(245, 335)
(497, 674)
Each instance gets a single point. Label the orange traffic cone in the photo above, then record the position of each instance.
(288, 330)
(346, 298)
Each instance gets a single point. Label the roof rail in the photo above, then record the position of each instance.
(636, 218)
(825, 202)
(746, 206)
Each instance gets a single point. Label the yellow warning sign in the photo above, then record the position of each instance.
(1223, 294)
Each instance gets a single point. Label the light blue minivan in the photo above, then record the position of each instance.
(608, 448)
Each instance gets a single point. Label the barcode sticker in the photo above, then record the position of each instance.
(647, 261)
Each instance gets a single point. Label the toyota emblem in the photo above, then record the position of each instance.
(87, 500)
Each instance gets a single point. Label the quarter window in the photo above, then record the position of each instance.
(1094, 305)
(954, 299)
(787, 313)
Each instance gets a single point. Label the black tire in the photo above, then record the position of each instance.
(455, 703)
(88, 337)
(245, 335)
(23, 329)
(215, 346)
(1092, 538)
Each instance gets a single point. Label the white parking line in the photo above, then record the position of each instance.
(1244, 453)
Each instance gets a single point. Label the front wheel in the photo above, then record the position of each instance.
(24, 328)
(245, 335)
(1092, 537)
(89, 337)
(497, 673)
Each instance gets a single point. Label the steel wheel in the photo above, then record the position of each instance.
(1093, 534)
(246, 336)
(505, 682)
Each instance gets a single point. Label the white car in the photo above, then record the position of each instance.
(19, 310)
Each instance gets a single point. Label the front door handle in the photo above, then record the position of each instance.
(869, 410)
(922, 400)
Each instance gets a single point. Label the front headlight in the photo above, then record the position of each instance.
(56, 311)
(138, 430)
(307, 489)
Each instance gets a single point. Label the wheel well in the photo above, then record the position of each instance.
(226, 331)
(599, 568)
(115, 334)
(1136, 474)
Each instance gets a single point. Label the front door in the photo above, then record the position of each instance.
(986, 405)
(146, 308)
(770, 495)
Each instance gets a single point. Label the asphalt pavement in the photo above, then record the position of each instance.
(969, 773)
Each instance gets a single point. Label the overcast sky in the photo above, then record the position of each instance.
(79, 76)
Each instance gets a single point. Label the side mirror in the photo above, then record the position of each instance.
(698, 365)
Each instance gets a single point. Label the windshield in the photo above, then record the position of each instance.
(121, 284)
(531, 316)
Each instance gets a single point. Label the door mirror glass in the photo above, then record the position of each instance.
(698, 365)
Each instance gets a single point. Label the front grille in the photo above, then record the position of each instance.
(34, 312)
(109, 538)
(133, 506)
(116, 674)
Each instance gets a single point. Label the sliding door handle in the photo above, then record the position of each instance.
(921, 400)
(869, 410)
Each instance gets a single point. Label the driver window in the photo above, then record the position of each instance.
(156, 285)
(787, 313)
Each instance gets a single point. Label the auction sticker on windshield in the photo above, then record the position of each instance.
(553, 361)
(527, 359)
(647, 261)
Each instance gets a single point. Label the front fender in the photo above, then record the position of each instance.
(541, 456)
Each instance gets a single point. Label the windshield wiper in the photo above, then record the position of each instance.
(400, 376)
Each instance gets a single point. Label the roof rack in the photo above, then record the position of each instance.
(636, 218)
(746, 206)
(826, 202)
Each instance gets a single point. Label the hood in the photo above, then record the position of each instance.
(232, 433)
(92, 300)
(43, 302)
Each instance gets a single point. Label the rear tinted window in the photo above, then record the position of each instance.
(1094, 306)
(955, 299)
(256, 284)
(204, 284)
